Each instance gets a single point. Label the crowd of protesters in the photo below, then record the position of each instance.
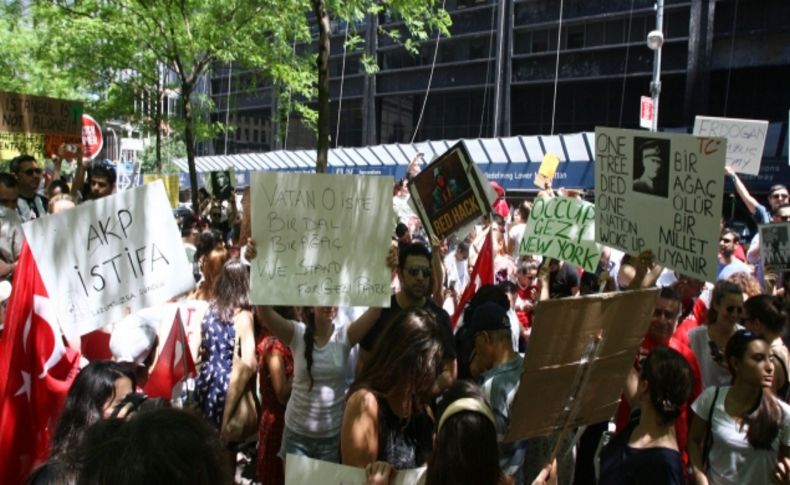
(405, 386)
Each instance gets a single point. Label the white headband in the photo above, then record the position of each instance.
(467, 404)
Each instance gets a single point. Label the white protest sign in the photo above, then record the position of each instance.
(562, 228)
(108, 256)
(309, 471)
(322, 240)
(745, 140)
(660, 192)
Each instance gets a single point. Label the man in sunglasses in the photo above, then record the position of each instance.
(30, 204)
(777, 195)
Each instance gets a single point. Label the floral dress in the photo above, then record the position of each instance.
(272, 423)
(216, 349)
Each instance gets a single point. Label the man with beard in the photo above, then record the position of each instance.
(414, 274)
(728, 263)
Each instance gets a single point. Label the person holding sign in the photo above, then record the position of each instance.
(739, 432)
(777, 195)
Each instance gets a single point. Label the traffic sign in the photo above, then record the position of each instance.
(92, 140)
(646, 112)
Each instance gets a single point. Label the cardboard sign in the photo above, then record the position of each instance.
(309, 471)
(775, 247)
(548, 167)
(451, 193)
(662, 192)
(562, 228)
(37, 126)
(171, 186)
(109, 256)
(580, 353)
(322, 240)
(745, 140)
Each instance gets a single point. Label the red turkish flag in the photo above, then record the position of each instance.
(482, 274)
(36, 371)
(174, 363)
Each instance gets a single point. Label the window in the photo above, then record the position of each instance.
(614, 33)
(594, 34)
(574, 37)
(540, 41)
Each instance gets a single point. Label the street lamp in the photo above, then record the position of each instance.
(655, 39)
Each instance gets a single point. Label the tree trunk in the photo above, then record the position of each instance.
(158, 121)
(189, 136)
(322, 16)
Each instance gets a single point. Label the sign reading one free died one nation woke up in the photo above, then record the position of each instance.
(660, 192)
(109, 256)
(322, 240)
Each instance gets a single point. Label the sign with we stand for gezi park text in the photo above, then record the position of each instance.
(110, 256)
(660, 192)
(321, 240)
(451, 193)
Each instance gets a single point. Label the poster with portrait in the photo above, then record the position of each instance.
(660, 192)
(451, 193)
(220, 184)
(113, 255)
(37, 126)
(775, 247)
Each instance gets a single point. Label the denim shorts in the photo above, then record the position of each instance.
(327, 449)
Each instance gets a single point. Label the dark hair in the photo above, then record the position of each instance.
(103, 168)
(769, 311)
(463, 246)
(207, 240)
(524, 209)
(413, 249)
(19, 160)
(483, 294)
(763, 422)
(498, 220)
(91, 389)
(669, 293)
(508, 286)
(58, 184)
(408, 353)
(466, 450)
(401, 229)
(776, 187)
(309, 341)
(8, 180)
(669, 380)
(159, 446)
(721, 290)
(728, 230)
(231, 289)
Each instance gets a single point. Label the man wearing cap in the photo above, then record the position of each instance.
(499, 369)
(652, 162)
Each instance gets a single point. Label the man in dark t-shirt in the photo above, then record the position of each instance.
(563, 279)
(414, 273)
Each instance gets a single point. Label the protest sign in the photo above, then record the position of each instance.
(548, 167)
(775, 247)
(745, 140)
(128, 175)
(562, 228)
(220, 184)
(580, 351)
(322, 239)
(108, 256)
(450, 193)
(309, 471)
(660, 192)
(171, 186)
(37, 126)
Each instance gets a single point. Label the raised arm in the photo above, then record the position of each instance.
(747, 198)
(282, 328)
(360, 327)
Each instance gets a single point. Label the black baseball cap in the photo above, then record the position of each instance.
(490, 316)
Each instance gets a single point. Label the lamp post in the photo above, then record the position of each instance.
(655, 39)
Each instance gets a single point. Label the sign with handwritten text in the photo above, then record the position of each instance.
(562, 228)
(660, 192)
(37, 126)
(745, 140)
(110, 256)
(322, 240)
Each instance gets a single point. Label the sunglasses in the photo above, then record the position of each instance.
(667, 314)
(779, 196)
(734, 309)
(725, 240)
(29, 172)
(417, 271)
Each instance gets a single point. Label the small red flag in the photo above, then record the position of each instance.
(482, 274)
(174, 363)
(36, 372)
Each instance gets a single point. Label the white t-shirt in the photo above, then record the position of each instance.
(712, 374)
(731, 459)
(318, 413)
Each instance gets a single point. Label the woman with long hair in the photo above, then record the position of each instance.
(646, 452)
(321, 347)
(227, 328)
(765, 315)
(386, 416)
(708, 341)
(94, 395)
(739, 432)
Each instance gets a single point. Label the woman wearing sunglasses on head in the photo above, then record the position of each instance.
(708, 341)
(739, 432)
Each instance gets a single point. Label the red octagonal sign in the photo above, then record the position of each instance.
(92, 140)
